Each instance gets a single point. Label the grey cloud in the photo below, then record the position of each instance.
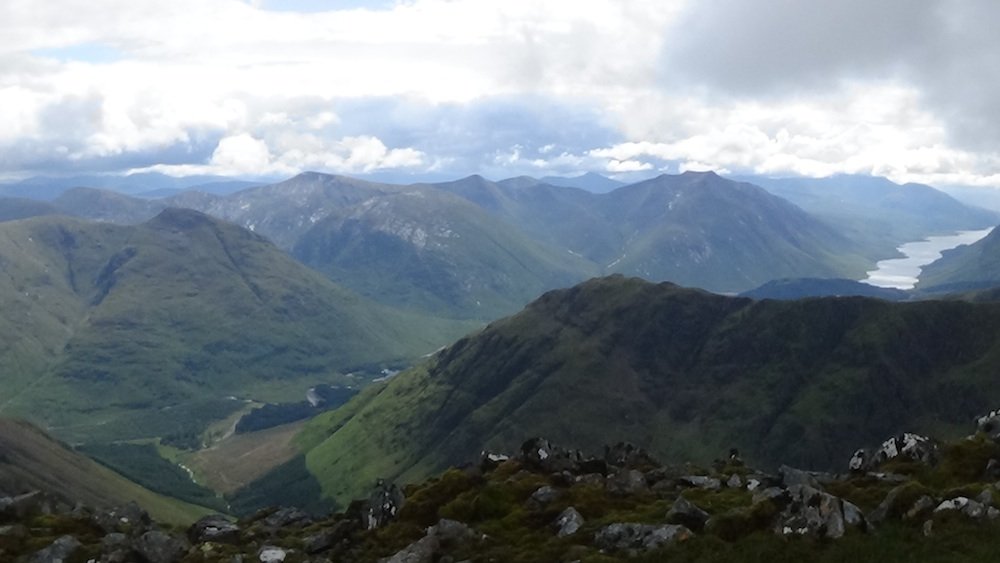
(947, 49)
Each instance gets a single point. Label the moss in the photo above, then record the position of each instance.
(740, 522)
(424, 503)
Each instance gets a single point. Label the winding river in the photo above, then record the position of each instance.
(902, 273)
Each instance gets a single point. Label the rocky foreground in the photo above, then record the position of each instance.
(910, 499)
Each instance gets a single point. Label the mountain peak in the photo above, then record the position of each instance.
(178, 218)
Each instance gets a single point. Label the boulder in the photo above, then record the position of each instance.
(624, 454)
(914, 446)
(734, 481)
(427, 548)
(791, 476)
(921, 508)
(116, 548)
(214, 528)
(58, 551)
(287, 517)
(544, 495)
(813, 512)
(626, 482)
(271, 554)
(966, 506)
(488, 461)
(541, 455)
(382, 506)
(158, 547)
(568, 522)
(989, 424)
(701, 482)
(329, 537)
(636, 538)
(687, 514)
(128, 519)
(23, 506)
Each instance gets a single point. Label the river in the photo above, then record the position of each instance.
(902, 273)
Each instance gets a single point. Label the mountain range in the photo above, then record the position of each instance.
(478, 249)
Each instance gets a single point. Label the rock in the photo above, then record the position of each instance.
(734, 481)
(752, 485)
(16, 531)
(985, 497)
(544, 495)
(128, 519)
(816, 513)
(624, 454)
(451, 531)
(965, 506)
(568, 522)
(329, 537)
(916, 447)
(58, 551)
(591, 479)
(791, 476)
(638, 537)
(427, 548)
(989, 424)
(214, 528)
(928, 528)
(777, 495)
(539, 454)
(701, 481)
(687, 514)
(271, 554)
(859, 461)
(288, 517)
(383, 505)
(23, 506)
(158, 547)
(116, 548)
(626, 482)
(488, 461)
(420, 551)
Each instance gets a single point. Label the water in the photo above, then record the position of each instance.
(902, 273)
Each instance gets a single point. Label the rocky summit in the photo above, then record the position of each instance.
(911, 498)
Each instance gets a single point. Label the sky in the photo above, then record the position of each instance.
(908, 89)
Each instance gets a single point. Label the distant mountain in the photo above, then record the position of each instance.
(799, 288)
(118, 332)
(876, 211)
(967, 267)
(34, 461)
(695, 228)
(591, 182)
(13, 208)
(684, 373)
(46, 188)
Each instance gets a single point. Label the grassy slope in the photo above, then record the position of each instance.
(95, 313)
(32, 460)
(971, 265)
(684, 373)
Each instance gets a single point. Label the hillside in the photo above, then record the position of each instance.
(113, 332)
(972, 266)
(32, 460)
(684, 373)
(799, 288)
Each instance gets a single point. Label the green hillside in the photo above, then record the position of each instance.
(32, 460)
(114, 332)
(972, 266)
(682, 372)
